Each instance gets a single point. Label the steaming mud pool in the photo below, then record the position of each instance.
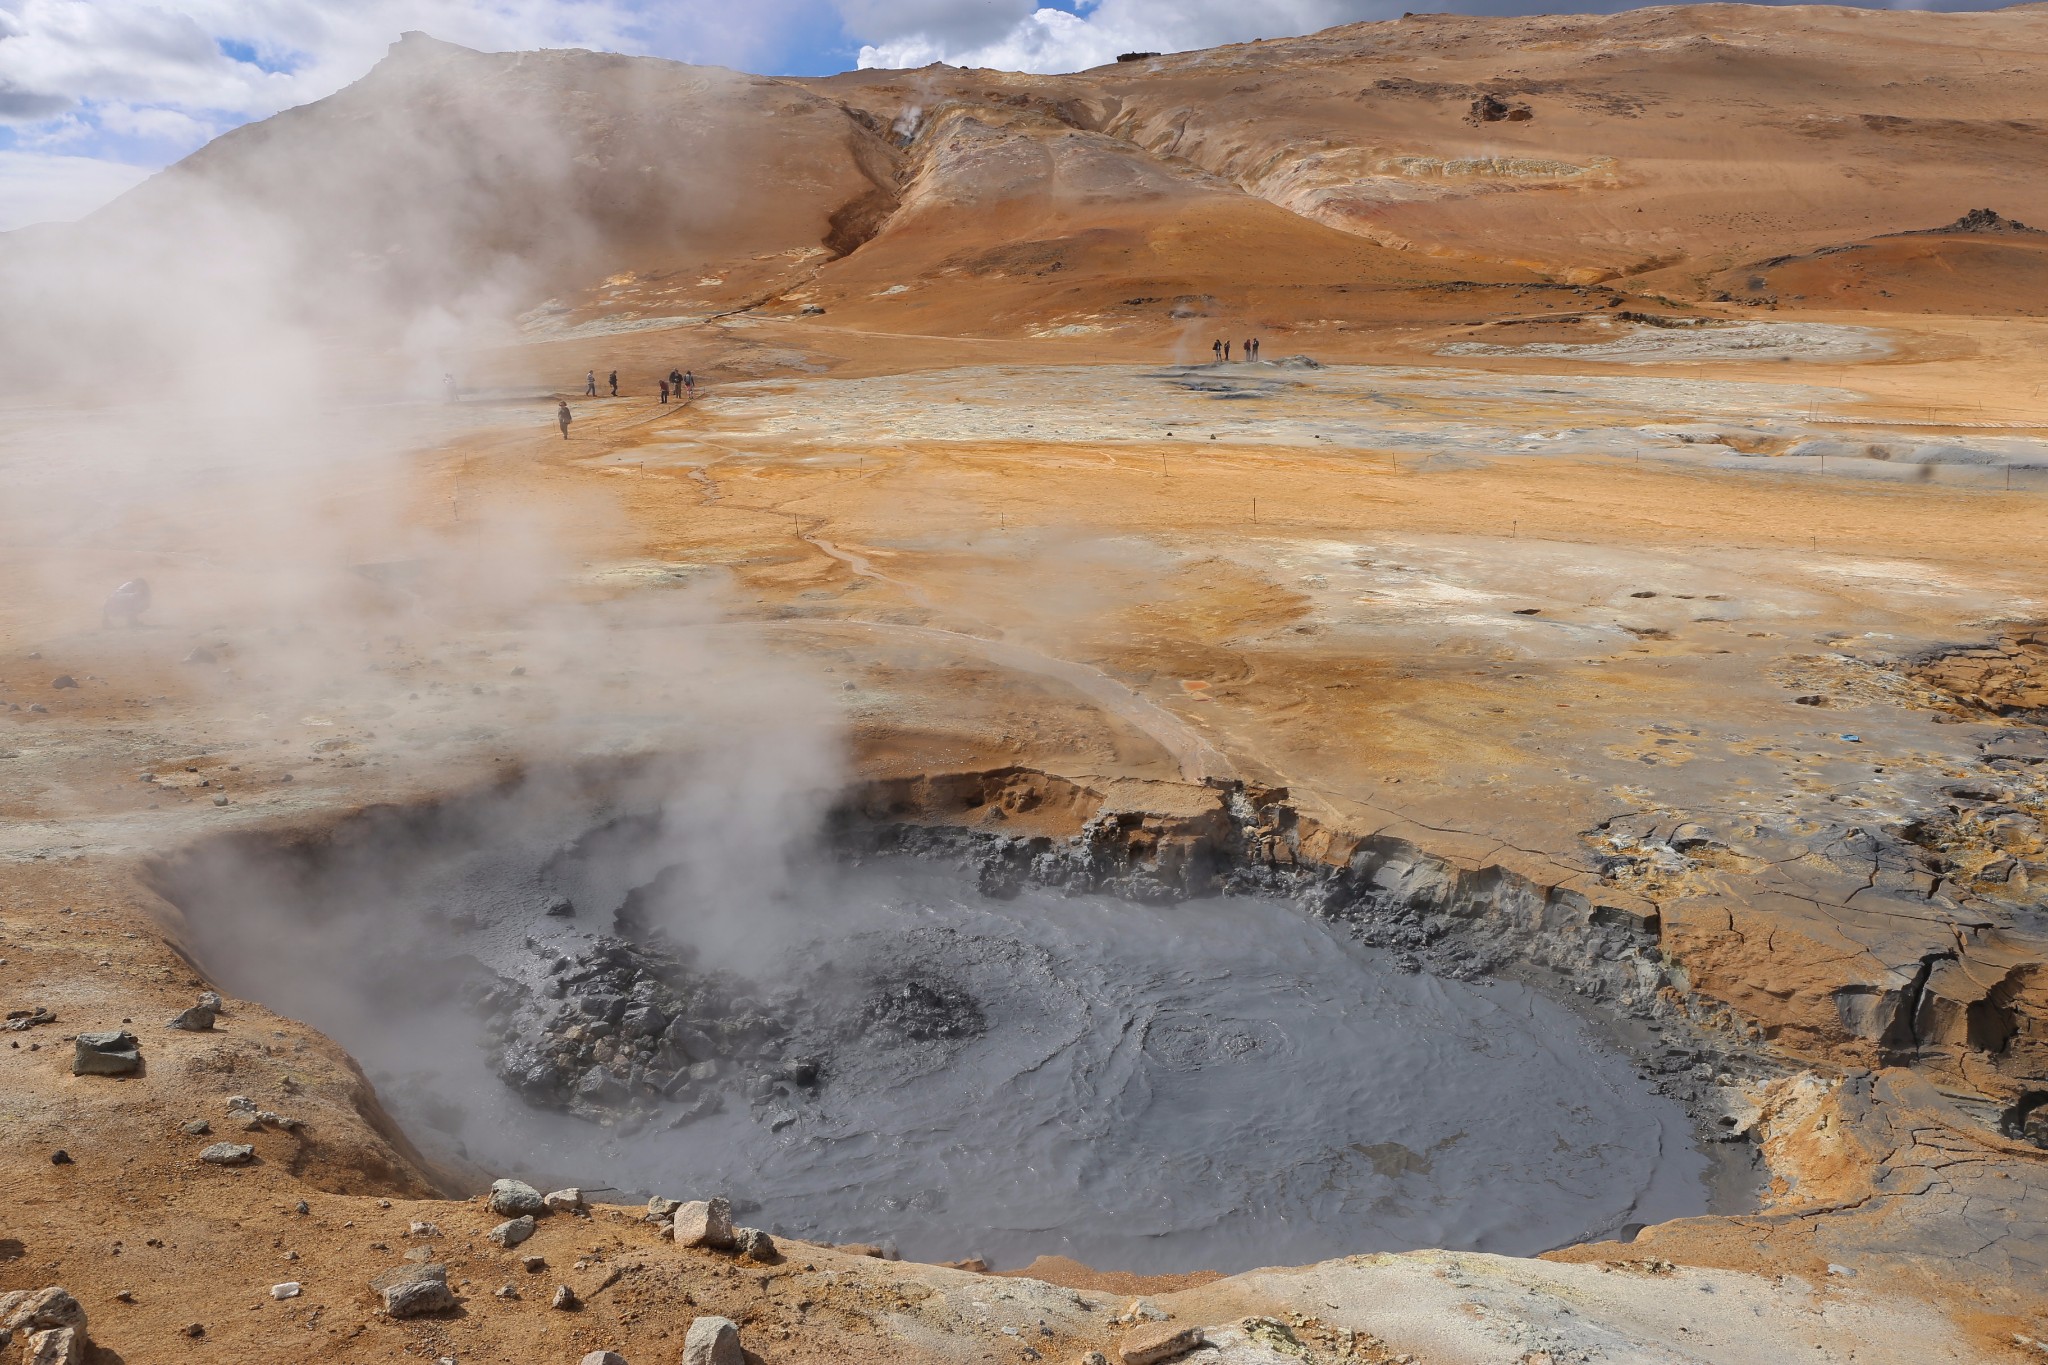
(882, 1054)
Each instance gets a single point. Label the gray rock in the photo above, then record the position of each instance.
(512, 1198)
(660, 1210)
(704, 1223)
(209, 1000)
(565, 1300)
(197, 1128)
(412, 1290)
(564, 1201)
(603, 1358)
(41, 1310)
(512, 1232)
(755, 1245)
(1158, 1341)
(106, 1054)
(57, 1346)
(713, 1341)
(228, 1154)
(63, 680)
(196, 1019)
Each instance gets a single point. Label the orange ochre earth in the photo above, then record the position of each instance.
(1638, 493)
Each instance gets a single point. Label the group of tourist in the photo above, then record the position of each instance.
(677, 383)
(1250, 352)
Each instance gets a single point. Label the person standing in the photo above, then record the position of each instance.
(562, 418)
(1216, 349)
(690, 382)
(615, 383)
(1226, 353)
(664, 391)
(590, 384)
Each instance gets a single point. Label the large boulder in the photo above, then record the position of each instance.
(412, 1290)
(41, 1310)
(511, 1198)
(58, 1346)
(513, 1231)
(713, 1341)
(704, 1223)
(116, 1053)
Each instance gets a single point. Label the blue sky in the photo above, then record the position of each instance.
(97, 94)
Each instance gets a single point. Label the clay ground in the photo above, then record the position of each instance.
(1529, 612)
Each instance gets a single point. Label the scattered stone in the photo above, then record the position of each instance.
(1095, 1358)
(603, 1358)
(21, 1021)
(228, 1154)
(512, 1232)
(60, 1157)
(534, 1264)
(713, 1341)
(63, 680)
(195, 1330)
(564, 1201)
(412, 1290)
(106, 1054)
(515, 1197)
(561, 907)
(660, 1210)
(565, 1300)
(290, 1289)
(505, 1291)
(196, 1128)
(303, 1207)
(125, 1295)
(704, 1223)
(755, 1245)
(1158, 1341)
(417, 1229)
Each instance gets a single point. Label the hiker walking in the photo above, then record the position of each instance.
(590, 384)
(562, 418)
(615, 383)
(675, 383)
(664, 390)
(690, 382)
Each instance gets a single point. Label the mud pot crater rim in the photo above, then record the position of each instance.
(540, 981)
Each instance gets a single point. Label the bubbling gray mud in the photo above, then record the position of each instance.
(1215, 1084)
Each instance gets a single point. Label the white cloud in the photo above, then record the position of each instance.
(154, 79)
(1051, 40)
(39, 187)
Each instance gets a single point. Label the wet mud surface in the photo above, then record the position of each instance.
(880, 1052)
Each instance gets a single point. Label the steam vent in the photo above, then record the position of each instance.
(1374, 698)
